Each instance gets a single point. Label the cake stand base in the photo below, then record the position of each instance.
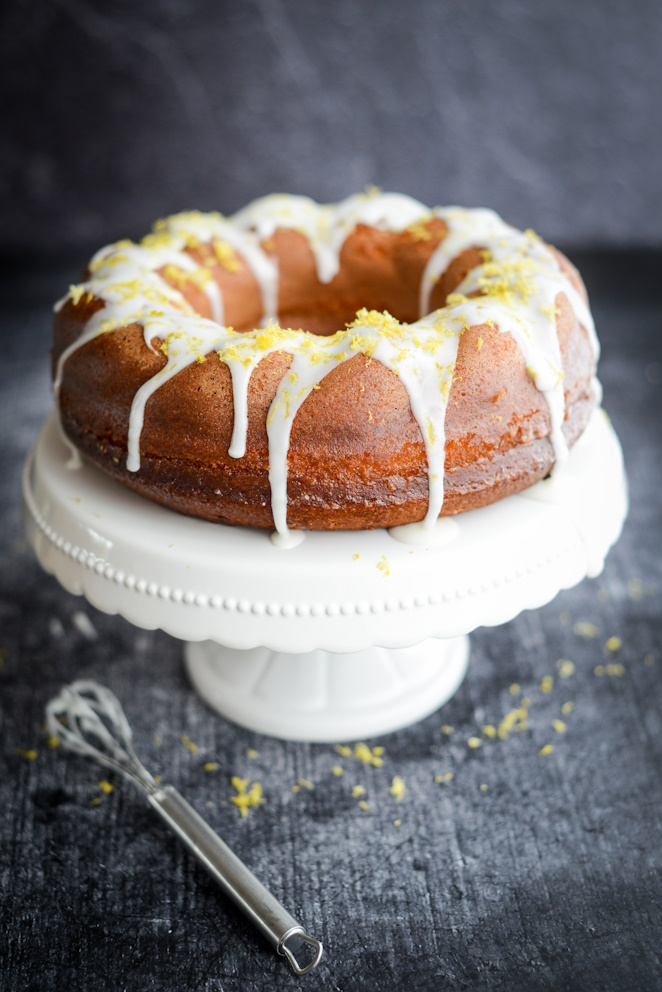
(322, 696)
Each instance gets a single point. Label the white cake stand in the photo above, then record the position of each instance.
(347, 635)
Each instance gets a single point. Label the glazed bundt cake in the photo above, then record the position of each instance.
(364, 364)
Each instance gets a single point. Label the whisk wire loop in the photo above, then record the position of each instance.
(80, 717)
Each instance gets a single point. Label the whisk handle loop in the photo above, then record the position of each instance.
(231, 874)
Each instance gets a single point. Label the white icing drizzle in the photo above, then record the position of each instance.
(425, 370)
(519, 280)
(213, 227)
(327, 226)
(74, 461)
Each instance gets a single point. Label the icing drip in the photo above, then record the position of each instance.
(519, 280)
(426, 369)
(518, 283)
(74, 462)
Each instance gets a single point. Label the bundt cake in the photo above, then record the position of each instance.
(364, 364)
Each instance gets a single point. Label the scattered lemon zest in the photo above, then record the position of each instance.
(567, 708)
(545, 750)
(547, 684)
(566, 668)
(28, 753)
(585, 629)
(474, 743)
(211, 766)
(515, 719)
(614, 644)
(398, 788)
(106, 787)
(246, 798)
(369, 756)
(338, 770)
(188, 744)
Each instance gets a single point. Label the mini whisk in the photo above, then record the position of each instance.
(87, 718)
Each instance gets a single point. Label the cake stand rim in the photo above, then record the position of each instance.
(340, 625)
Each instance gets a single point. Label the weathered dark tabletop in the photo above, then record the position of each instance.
(522, 871)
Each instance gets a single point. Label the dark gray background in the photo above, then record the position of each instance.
(116, 113)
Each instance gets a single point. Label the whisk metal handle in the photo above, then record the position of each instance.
(234, 878)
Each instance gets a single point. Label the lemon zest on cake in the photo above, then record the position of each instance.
(420, 230)
(226, 255)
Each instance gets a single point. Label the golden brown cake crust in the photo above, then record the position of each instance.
(356, 458)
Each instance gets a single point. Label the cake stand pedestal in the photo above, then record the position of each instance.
(347, 635)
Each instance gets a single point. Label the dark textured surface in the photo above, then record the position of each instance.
(114, 114)
(548, 879)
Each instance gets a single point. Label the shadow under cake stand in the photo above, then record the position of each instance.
(347, 635)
